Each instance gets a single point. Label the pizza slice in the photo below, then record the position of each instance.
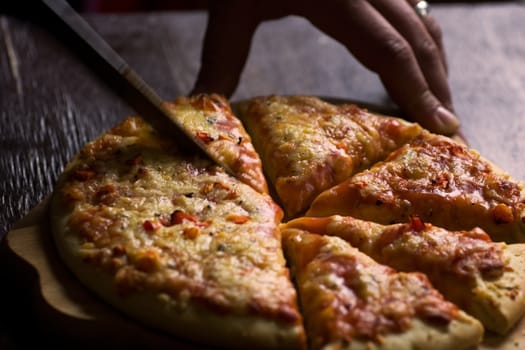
(482, 277)
(211, 119)
(349, 301)
(440, 181)
(175, 242)
(308, 145)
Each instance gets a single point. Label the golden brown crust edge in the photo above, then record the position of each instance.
(461, 333)
(500, 304)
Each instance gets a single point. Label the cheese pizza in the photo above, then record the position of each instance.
(175, 242)
(441, 181)
(349, 301)
(482, 277)
(308, 145)
(179, 244)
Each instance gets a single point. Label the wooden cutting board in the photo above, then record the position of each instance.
(63, 302)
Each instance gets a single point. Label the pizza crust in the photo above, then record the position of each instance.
(461, 333)
(500, 304)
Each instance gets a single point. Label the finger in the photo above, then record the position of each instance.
(227, 42)
(382, 49)
(431, 24)
(435, 30)
(402, 16)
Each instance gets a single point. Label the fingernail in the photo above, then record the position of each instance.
(448, 123)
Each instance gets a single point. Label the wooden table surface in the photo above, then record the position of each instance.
(51, 102)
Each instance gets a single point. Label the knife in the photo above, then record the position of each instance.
(145, 100)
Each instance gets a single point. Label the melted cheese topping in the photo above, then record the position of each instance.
(175, 227)
(182, 230)
(211, 120)
(309, 145)
(482, 277)
(442, 182)
(467, 255)
(345, 295)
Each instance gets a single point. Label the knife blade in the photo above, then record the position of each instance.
(146, 102)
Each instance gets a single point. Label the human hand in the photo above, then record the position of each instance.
(386, 36)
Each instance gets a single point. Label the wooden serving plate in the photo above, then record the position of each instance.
(70, 307)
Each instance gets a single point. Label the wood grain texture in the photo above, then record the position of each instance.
(51, 103)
